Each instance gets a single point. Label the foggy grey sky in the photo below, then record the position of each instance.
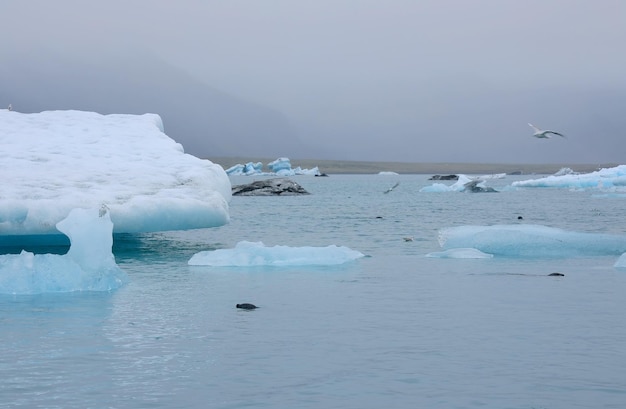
(403, 80)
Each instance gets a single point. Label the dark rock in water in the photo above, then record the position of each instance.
(322, 175)
(444, 177)
(247, 306)
(556, 275)
(270, 187)
(517, 172)
(474, 188)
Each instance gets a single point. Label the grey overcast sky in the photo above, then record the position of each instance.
(400, 80)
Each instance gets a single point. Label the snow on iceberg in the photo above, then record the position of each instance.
(253, 254)
(531, 241)
(604, 179)
(89, 265)
(458, 186)
(278, 167)
(54, 161)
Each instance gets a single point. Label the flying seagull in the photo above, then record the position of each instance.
(392, 187)
(540, 133)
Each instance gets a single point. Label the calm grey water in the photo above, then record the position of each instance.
(394, 329)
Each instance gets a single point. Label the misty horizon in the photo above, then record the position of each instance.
(404, 82)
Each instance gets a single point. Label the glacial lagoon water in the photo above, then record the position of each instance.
(393, 329)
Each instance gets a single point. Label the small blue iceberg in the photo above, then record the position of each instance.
(253, 254)
(89, 265)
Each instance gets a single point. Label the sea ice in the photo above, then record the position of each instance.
(248, 169)
(458, 186)
(528, 240)
(54, 161)
(278, 167)
(251, 254)
(621, 262)
(602, 179)
(89, 264)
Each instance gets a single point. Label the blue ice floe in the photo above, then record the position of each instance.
(278, 167)
(89, 265)
(252, 254)
(621, 262)
(602, 179)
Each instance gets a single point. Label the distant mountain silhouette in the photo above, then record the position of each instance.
(462, 118)
(206, 121)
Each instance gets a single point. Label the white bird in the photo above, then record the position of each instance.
(10, 108)
(540, 133)
(392, 187)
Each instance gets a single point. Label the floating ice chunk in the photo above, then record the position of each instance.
(281, 166)
(89, 264)
(250, 254)
(248, 169)
(621, 262)
(388, 173)
(460, 253)
(603, 178)
(91, 239)
(436, 188)
(278, 167)
(311, 172)
(531, 241)
(458, 186)
(565, 171)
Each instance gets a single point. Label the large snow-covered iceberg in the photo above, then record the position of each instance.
(89, 264)
(54, 161)
(526, 240)
(278, 167)
(253, 254)
(603, 179)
